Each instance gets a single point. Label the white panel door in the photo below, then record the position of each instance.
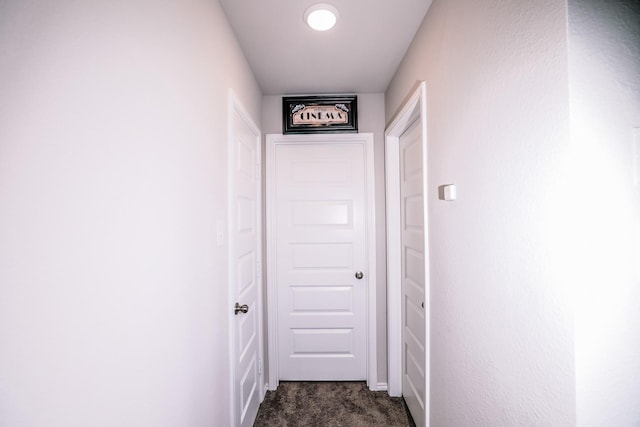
(413, 272)
(245, 266)
(320, 246)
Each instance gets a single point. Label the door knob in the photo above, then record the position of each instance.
(241, 308)
(359, 275)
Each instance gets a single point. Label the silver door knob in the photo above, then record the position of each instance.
(359, 275)
(241, 308)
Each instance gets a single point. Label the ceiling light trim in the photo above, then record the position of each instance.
(321, 16)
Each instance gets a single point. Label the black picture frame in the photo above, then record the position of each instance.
(320, 114)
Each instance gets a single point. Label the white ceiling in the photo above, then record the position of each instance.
(360, 54)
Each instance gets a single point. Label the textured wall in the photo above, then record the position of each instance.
(113, 298)
(604, 54)
(498, 128)
(370, 119)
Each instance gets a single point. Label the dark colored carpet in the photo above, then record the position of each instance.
(330, 404)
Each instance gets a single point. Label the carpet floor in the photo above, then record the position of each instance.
(330, 404)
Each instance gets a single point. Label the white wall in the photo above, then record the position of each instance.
(370, 120)
(498, 128)
(113, 299)
(604, 65)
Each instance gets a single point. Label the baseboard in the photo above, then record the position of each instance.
(381, 387)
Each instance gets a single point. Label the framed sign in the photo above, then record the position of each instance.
(319, 114)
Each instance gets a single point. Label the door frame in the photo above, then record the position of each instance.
(236, 108)
(272, 141)
(415, 108)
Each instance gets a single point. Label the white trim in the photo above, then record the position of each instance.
(394, 269)
(236, 107)
(414, 108)
(381, 387)
(272, 141)
(372, 291)
(272, 300)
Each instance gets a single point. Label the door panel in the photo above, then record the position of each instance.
(320, 244)
(244, 272)
(318, 298)
(413, 272)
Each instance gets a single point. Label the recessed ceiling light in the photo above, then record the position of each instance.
(321, 16)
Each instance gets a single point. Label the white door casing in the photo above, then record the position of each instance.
(320, 232)
(245, 259)
(413, 109)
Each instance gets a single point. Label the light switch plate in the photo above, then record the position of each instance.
(636, 156)
(220, 232)
(447, 192)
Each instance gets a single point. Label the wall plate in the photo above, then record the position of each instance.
(447, 192)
